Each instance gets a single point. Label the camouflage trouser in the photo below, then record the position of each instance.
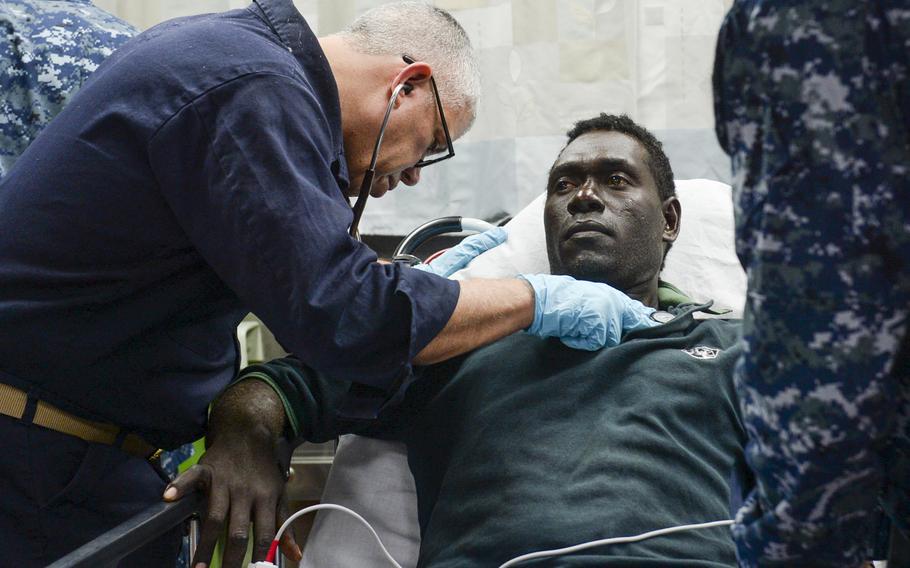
(812, 102)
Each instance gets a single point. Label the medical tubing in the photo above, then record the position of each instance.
(273, 549)
(524, 557)
(616, 540)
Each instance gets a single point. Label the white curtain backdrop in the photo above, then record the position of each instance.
(545, 64)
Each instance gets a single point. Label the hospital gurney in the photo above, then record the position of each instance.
(372, 477)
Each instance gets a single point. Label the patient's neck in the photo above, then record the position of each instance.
(645, 291)
(642, 288)
(647, 295)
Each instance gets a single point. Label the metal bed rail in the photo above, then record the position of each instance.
(109, 548)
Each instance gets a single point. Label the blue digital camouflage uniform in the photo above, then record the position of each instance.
(47, 50)
(812, 103)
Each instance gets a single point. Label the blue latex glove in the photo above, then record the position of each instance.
(457, 257)
(584, 315)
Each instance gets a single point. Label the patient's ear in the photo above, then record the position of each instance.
(672, 217)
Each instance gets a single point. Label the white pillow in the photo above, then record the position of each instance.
(702, 262)
(372, 476)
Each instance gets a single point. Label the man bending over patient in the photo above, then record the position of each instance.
(526, 444)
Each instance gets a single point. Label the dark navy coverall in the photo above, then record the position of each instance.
(198, 175)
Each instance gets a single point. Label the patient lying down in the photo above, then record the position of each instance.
(527, 444)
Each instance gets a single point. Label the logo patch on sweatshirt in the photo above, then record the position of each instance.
(702, 352)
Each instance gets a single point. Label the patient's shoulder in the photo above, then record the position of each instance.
(727, 332)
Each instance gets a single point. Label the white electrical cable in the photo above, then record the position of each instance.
(616, 540)
(331, 506)
(523, 557)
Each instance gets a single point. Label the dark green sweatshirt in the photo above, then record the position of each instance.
(527, 444)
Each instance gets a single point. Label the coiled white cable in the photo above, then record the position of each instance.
(616, 540)
(333, 507)
(517, 559)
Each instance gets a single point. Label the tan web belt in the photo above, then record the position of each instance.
(13, 403)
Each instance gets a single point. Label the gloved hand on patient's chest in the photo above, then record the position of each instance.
(584, 315)
(457, 257)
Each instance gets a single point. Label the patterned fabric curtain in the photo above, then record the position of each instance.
(545, 64)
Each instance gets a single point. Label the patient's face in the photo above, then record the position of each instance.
(603, 215)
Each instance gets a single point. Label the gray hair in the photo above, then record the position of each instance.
(425, 33)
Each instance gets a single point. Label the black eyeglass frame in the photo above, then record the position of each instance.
(442, 118)
(370, 173)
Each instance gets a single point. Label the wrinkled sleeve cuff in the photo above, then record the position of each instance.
(289, 411)
(433, 300)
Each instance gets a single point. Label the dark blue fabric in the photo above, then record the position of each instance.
(197, 175)
(59, 492)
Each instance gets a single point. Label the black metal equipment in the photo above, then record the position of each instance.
(440, 226)
(129, 536)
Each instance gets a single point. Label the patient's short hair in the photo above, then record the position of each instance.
(658, 162)
(425, 33)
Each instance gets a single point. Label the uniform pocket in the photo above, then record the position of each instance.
(66, 467)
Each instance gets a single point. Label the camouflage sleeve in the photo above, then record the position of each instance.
(47, 51)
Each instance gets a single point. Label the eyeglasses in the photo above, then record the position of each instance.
(442, 118)
(368, 176)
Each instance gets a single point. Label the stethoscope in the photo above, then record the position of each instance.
(368, 176)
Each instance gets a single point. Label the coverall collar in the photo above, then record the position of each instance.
(287, 23)
(295, 34)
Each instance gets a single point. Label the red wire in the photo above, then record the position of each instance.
(273, 551)
(433, 256)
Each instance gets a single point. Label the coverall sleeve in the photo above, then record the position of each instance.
(314, 404)
(248, 169)
(311, 401)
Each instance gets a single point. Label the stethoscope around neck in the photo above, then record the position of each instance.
(367, 183)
